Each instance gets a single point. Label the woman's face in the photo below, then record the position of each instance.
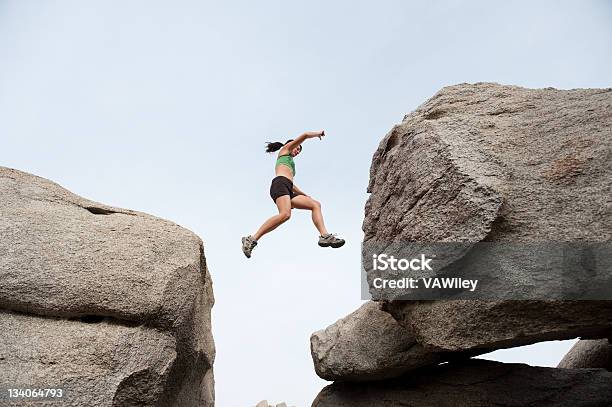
(296, 151)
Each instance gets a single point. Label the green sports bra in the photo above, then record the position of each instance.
(288, 161)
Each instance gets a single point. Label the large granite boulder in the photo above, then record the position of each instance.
(588, 353)
(480, 163)
(111, 305)
(477, 383)
(514, 166)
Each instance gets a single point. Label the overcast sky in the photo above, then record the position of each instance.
(164, 107)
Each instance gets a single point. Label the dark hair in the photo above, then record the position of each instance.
(277, 145)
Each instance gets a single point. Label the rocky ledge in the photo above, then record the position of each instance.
(481, 163)
(111, 305)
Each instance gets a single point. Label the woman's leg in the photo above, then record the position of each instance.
(284, 213)
(306, 202)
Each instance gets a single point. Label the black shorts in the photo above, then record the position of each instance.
(281, 186)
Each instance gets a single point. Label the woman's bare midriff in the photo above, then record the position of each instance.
(285, 171)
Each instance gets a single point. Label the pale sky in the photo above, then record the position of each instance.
(164, 107)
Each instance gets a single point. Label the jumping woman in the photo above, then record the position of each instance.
(286, 195)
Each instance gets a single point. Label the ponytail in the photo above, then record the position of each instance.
(272, 147)
(277, 145)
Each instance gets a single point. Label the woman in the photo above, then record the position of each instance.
(287, 195)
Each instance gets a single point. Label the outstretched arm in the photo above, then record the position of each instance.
(300, 139)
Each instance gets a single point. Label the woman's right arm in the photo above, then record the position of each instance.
(300, 139)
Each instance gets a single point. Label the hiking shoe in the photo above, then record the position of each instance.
(248, 244)
(330, 240)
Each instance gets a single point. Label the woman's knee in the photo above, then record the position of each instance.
(316, 204)
(284, 216)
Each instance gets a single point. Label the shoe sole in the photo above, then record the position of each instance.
(333, 245)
